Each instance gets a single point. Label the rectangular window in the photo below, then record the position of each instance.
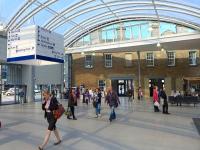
(102, 84)
(171, 58)
(192, 58)
(128, 59)
(88, 61)
(108, 60)
(135, 30)
(145, 34)
(150, 59)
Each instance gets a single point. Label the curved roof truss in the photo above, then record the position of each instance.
(108, 11)
(172, 6)
(102, 17)
(70, 41)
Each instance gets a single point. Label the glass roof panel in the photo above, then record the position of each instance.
(8, 8)
(194, 3)
(41, 16)
(84, 14)
(186, 17)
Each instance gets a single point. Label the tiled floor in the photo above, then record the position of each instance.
(23, 128)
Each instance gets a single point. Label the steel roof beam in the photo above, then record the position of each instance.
(65, 11)
(92, 20)
(22, 9)
(32, 13)
(57, 23)
(124, 17)
(56, 13)
(121, 2)
(100, 7)
(98, 16)
(109, 9)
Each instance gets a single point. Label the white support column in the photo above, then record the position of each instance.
(62, 80)
(28, 79)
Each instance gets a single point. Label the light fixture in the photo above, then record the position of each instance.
(158, 44)
(93, 53)
(82, 53)
(162, 49)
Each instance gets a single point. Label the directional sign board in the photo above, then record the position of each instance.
(34, 45)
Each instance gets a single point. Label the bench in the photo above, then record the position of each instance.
(179, 100)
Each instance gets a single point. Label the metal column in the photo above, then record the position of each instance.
(139, 70)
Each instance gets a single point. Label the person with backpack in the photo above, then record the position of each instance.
(113, 101)
(49, 105)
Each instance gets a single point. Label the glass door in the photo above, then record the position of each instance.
(13, 94)
(121, 87)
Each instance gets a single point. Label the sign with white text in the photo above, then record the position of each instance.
(34, 45)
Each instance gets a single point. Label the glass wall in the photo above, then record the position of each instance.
(54, 89)
(11, 89)
(132, 30)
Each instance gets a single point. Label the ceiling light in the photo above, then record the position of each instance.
(162, 49)
(82, 53)
(93, 53)
(158, 44)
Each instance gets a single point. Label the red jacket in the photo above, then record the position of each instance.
(155, 95)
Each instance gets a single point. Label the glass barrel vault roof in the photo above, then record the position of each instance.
(73, 18)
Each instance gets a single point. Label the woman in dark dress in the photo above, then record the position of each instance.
(50, 104)
(72, 102)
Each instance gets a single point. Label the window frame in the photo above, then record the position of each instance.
(153, 59)
(189, 59)
(88, 62)
(104, 86)
(174, 59)
(106, 61)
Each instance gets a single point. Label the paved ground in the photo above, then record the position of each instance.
(141, 129)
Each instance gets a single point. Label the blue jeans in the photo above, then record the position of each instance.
(98, 109)
(112, 113)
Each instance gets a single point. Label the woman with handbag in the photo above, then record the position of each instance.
(156, 99)
(72, 102)
(50, 104)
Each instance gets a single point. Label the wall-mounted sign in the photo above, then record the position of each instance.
(34, 45)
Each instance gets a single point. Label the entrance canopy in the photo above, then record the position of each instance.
(72, 18)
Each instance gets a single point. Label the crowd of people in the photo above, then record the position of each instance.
(50, 104)
(88, 96)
